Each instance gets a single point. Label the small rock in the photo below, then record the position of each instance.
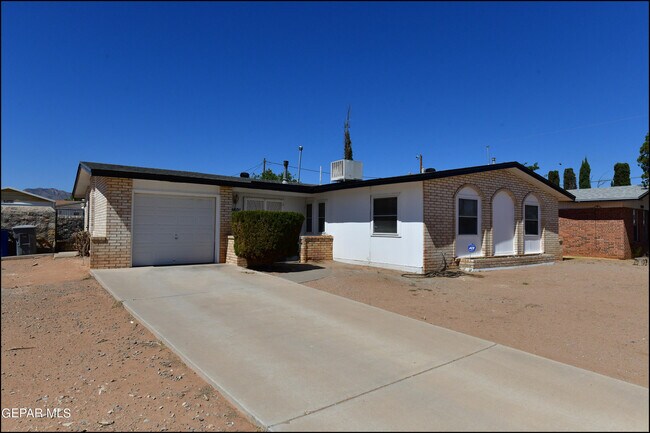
(105, 422)
(67, 424)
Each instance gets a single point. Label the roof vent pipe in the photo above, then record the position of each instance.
(285, 176)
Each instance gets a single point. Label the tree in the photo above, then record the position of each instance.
(621, 174)
(585, 174)
(643, 161)
(347, 142)
(533, 166)
(269, 175)
(569, 179)
(554, 177)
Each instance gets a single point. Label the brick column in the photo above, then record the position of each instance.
(225, 221)
(316, 248)
(110, 245)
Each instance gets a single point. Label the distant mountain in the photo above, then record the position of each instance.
(51, 193)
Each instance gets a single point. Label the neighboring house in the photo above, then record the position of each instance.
(605, 222)
(24, 208)
(17, 197)
(70, 207)
(505, 214)
(69, 220)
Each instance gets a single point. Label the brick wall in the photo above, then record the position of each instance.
(110, 222)
(225, 222)
(315, 248)
(479, 263)
(600, 232)
(440, 214)
(231, 257)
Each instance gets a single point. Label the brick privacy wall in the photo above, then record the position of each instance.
(600, 232)
(114, 249)
(231, 257)
(477, 263)
(315, 248)
(440, 214)
(225, 222)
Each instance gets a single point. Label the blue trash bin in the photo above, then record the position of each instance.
(4, 243)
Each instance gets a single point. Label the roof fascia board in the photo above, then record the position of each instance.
(314, 189)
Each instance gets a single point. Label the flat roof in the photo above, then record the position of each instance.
(87, 169)
(613, 193)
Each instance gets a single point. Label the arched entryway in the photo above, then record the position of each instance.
(503, 224)
(532, 226)
(468, 223)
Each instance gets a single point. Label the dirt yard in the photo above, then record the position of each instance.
(589, 313)
(67, 344)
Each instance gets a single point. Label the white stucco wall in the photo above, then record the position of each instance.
(348, 217)
(290, 202)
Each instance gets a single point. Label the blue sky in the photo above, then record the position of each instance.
(216, 87)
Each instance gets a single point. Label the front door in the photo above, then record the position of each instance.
(503, 224)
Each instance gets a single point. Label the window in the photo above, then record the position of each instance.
(321, 217)
(384, 216)
(467, 216)
(635, 225)
(531, 220)
(254, 204)
(262, 204)
(308, 217)
(273, 205)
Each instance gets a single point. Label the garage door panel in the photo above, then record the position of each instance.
(171, 230)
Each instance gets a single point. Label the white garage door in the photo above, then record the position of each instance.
(173, 230)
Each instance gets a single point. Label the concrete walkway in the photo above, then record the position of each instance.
(295, 358)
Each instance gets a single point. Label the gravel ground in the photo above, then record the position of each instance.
(68, 344)
(591, 313)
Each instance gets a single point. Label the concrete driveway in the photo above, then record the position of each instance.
(296, 358)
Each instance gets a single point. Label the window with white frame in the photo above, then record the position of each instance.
(531, 220)
(384, 215)
(251, 203)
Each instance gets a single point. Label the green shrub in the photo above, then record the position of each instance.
(264, 237)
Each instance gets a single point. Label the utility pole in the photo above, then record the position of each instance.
(487, 150)
(264, 166)
(419, 156)
(299, 161)
(320, 175)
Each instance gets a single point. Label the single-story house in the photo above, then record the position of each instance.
(18, 197)
(70, 207)
(605, 222)
(480, 217)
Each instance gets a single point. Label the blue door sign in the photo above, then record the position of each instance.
(471, 248)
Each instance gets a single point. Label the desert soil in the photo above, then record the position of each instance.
(590, 313)
(68, 344)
